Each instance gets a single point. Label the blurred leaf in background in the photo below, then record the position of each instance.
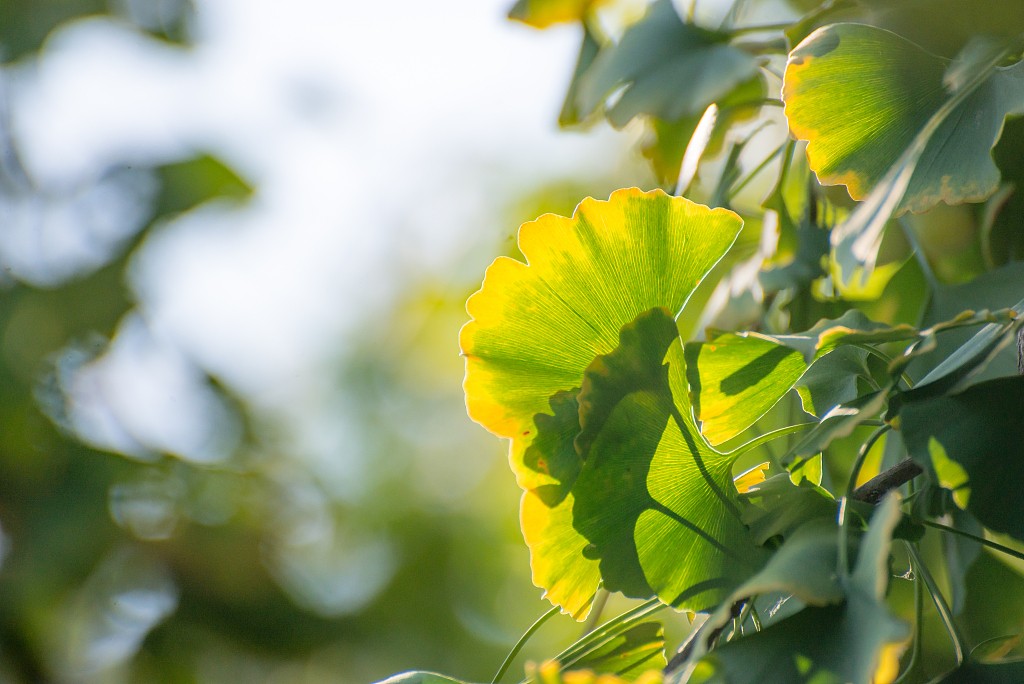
(160, 523)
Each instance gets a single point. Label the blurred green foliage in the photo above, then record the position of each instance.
(123, 560)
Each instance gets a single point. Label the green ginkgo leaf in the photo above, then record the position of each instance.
(736, 377)
(671, 69)
(777, 507)
(651, 490)
(537, 326)
(891, 90)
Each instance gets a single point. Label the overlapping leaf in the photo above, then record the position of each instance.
(651, 491)
(891, 89)
(736, 378)
(777, 507)
(537, 326)
(835, 643)
(671, 69)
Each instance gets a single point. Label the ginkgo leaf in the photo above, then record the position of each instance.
(634, 366)
(746, 375)
(536, 326)
(892, 88)
(777, 507)
(668, 143)
(651, 491)
(736, 377)
(838, 422)
(804, 568)
(671, 69)
(832, 380)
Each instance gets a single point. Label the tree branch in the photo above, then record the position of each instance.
(874, 489)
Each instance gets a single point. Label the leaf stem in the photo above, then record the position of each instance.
(522, 642)
(844, 506)
(940, 603)
(981, 540)
(768, 437)
(608, 631)
(600, 601)
(754, 616)
(922, 259)
(888, 360)
(740, 30)
(743, 182)
(915, 651)
(877, 487)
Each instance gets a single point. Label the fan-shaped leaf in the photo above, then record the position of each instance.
(651, 491)
(891, 89)
(746, 374)
(736, 377)
(537, 326)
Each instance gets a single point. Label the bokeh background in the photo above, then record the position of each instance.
(236, 238)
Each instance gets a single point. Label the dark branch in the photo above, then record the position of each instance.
(1020, 351)
(874, 489)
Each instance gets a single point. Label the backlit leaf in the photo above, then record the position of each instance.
(735, 378)
(901, 138)
(652, 491)
(777, 507)
(891, 89)
(537, 326)
(838, 422)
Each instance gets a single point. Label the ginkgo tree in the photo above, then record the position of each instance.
(779, 392)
